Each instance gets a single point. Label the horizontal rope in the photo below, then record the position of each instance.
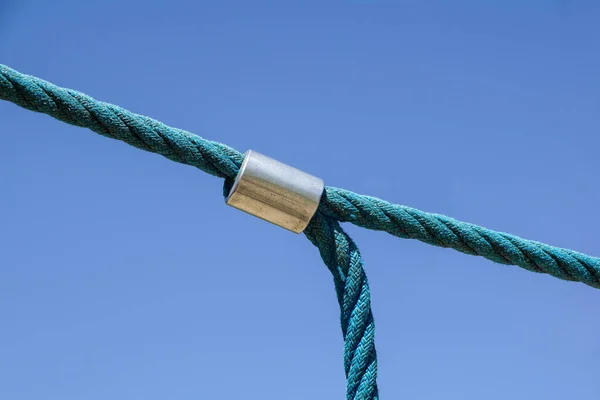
(220, 160)
(439, 230)
(337, 249)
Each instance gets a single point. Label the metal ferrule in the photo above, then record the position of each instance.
(275, 192)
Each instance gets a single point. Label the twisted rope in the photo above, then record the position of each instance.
(145, 133)
(337, 205)
(439, 230)
(343, 259)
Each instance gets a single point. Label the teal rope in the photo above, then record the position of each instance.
(220, 160)
(343, 259)
(337, 249)
(439, 230)
(145, 133)
(337, 205)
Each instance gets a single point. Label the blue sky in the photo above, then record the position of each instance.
(124, 275)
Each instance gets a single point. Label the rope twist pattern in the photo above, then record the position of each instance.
(338, 251)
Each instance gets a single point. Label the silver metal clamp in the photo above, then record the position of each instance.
(275, 192)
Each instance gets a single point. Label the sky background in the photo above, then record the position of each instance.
(125, 276)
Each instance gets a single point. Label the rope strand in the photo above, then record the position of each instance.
(344, 261)
(439, 230)
(145, 133)
(337, 249)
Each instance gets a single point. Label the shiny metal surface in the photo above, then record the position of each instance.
(275, 192)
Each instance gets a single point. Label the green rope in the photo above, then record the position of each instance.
(439, 230)
(345, 264)
(338, 251)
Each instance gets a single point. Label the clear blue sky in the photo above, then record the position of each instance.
(125, 276)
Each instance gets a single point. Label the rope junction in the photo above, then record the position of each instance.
(337, 249)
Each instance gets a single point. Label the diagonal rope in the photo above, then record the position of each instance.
(337, 205)
(145, 133)
(339, 252)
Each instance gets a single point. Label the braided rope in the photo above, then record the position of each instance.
(343, 259)
(218, 159)
(338, 251)
(145, 133)
(439, 230)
